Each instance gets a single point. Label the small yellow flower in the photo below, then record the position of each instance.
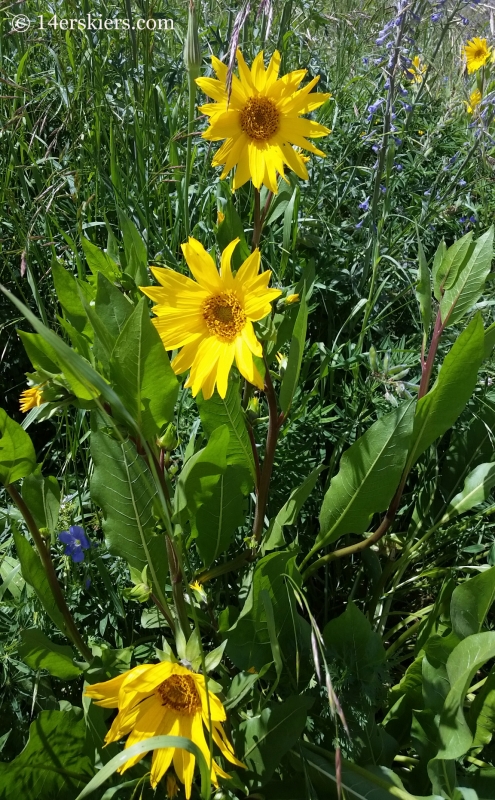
(416, 70)
(292, 298)
(172, 786)
(261, 120)
(220, 217)
(31, 398)
(282, 360)
(421, 133)
(212, 320)
(252, 671)
(474, 100)
(477, 54)
(165, 699)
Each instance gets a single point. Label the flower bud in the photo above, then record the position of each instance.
(192, 49)
(169, 439)
(253, 409)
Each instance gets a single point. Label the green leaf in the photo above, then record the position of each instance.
(34, 574)
(54, 762)
(351, 639)
(98, 261)
(144, 746)
(477, 489)
(38, 652)
(232, 228)
(217, 411)
(112, 306)
(369, 474)
(290, 511)
(438, 410)
(17, 456)
(466, 290)
(221, 514)
(122, 486)
(471, 602)
(291, 376)
(264, 739)
(481, 718)
(141, 373)
(135, 251)
(201, 474)
(249, 639)
(462, 665)
(436, 273)
(42, 497)
(423, 288)
(489, 341)
(451, 263)
(68, 291)
(39, 352)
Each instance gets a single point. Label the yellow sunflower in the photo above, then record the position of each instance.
(474, 100)
(261, 120)
(477, 54)
(31, 398)
(416, 70)
(212, 320)
(165, 699)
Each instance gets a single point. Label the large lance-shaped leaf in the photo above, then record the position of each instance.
(369, 474)
(38, 652)
(448, 263)
(17, 456)
(99, 261)
(34, 573)
(42, 497)
(221, 514)
(290, 511)
(471, 602)
(217, 411)
(201, 474)
(122, 485)
(466, 290)
(141, 373)
(55, 762)
(477, 489)
(462, 665)
(438, 410)
(69, 290)
(294, 361)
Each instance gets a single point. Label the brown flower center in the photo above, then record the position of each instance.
(179, 693)
(224, 316)
(260, 118)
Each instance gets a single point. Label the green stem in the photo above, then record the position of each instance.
(257, 221)
(176, 577)
(190, 120)
(51, 575)
(274, 425)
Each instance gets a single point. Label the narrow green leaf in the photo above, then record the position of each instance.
(68, 289)
(144, 746)
(34, 574)
(369, 474)
(135, 251)
(438, 410)
(466, 290)
(471, 602)
(17, 456)
(477, 489)
(39, 352)
(291, 377)
(436, 274)
(141, 373)
(38, 652)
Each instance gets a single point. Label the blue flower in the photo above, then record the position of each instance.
(373, 108)
(427, 193)
(403, 91)
(436, 17)
(76, 542)
(359, 224)
(462, 220)
(383, 189)
(465, 21)
(399, 167)
(365, 61)
(462, 182)
(364, 206)
(473, 219)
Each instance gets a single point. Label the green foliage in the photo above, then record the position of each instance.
(38, 652)
(34, 574)
(17, 456)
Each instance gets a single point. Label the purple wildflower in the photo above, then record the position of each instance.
(76, 541)
(364, 206)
